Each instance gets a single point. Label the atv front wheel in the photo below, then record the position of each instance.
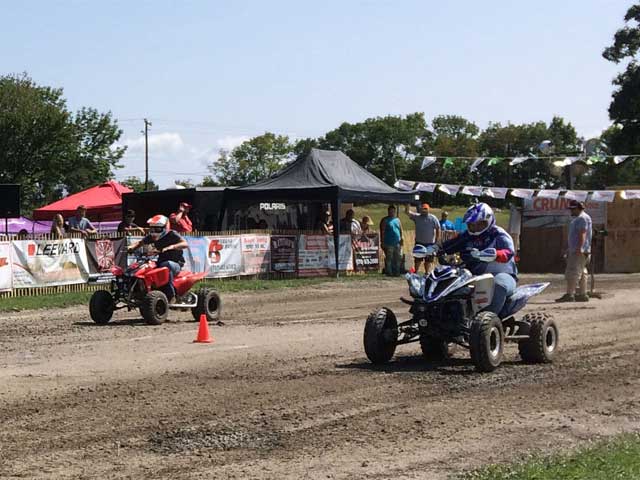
(155, 307)
(486, 341)
(101, 307)
(209, 303)
(543, 341)
(380, 335)
(434, 349)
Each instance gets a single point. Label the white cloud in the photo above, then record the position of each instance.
(160, 143)
(231, 142)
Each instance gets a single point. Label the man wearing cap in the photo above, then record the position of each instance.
(427, 233)
(81, 224)
(127, 226)
(578, 254)
(180, 221)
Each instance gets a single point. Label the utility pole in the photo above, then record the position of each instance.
(147, 124)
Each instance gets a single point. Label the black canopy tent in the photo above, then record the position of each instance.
(323, 176)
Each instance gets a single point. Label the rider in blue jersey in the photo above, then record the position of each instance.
(487, 248)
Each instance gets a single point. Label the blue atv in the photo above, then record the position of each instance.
(447, 310)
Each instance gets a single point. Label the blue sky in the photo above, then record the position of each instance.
(210, 74)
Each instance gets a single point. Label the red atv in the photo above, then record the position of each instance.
(139, 287)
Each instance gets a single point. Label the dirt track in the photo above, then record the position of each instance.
(286, 391)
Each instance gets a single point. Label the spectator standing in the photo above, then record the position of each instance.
(180, 221)
(445, 223)
(392, 241)
(57, 227)
(80, 223)
(350, 224)
(366, 224)
(427, 233)
(578, 254)
(324, 224)
(128, 226)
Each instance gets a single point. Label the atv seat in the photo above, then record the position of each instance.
(519, 298)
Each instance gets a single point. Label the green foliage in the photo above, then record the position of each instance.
(383, 145)
(186, 183)
(625, 104)
(137, 184)
(253, 160)
(614, 459)
(46, 148)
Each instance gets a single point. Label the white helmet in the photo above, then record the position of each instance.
(158, 226)
(479, 218)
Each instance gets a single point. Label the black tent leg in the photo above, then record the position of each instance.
(335, 207)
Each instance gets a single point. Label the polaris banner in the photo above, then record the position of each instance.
(5, 267)
(43, 263)
(283, 253)
(225, 257)
(366, 252)
(103, 254)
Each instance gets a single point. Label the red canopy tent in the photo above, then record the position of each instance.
(103, 202)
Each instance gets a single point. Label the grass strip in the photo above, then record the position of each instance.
(61, 300)
(617, 458)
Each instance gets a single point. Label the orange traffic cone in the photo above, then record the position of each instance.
(203, 331)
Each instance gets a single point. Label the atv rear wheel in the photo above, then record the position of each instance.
(209, 303)
(155, 307)
(101, 307)
(543, 341)
(380, 335)
(486, 341)
(435, 349)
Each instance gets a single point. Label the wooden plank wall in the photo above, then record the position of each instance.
(622, 244)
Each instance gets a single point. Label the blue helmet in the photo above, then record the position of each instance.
(479, 218)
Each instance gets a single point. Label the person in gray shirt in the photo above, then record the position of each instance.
(427, 233)
(578, 254)
(80, 223)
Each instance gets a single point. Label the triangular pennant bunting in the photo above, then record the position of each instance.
(404, 185)
(472, 191)
(578, 196)
(426, 187)
(476, 163)
(449, 189)
(618, 159)
(518, 160)
(495, 192)
(603, 196)
(630, 194)
(426, 161)
(548, 193)
(525, 193)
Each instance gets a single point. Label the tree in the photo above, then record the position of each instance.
(186, 183)
(137, 185)
(46, 148)
(625, 104)
(386, 146)
(253, 160)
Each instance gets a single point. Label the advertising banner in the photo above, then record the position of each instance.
(345, 252)
(196, 257)
(283, 253)
(225, 257)
(5, 267)
(559, 208)
(256, 253)
(41, 263)
(313, 255)
(102, 255)
(366, 252)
